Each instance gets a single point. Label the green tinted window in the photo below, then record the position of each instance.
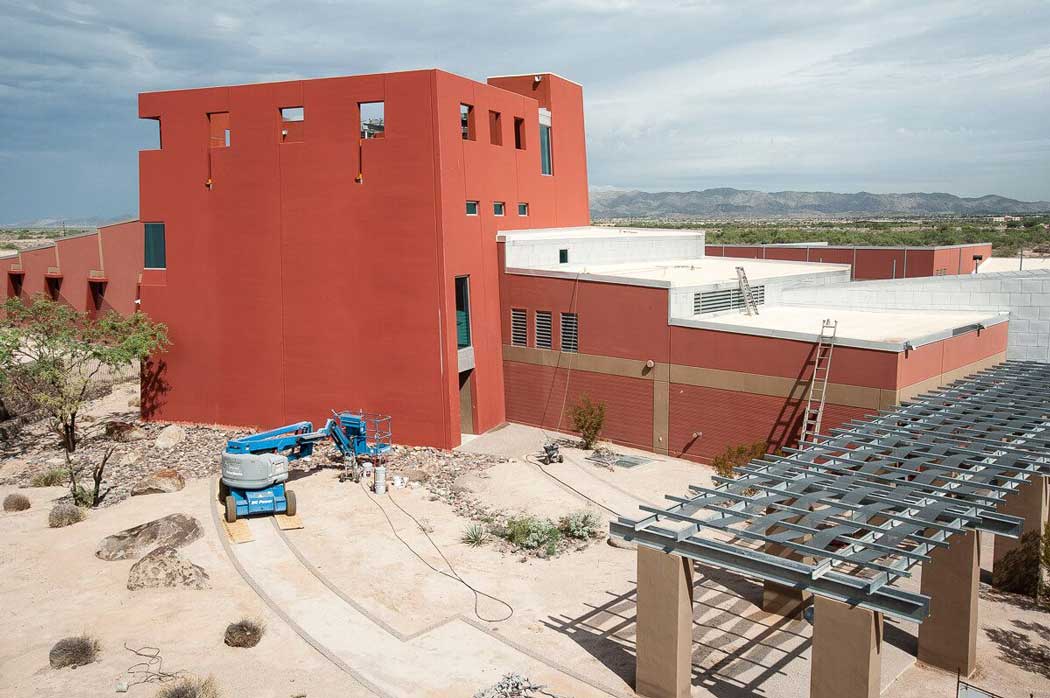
(156, 257)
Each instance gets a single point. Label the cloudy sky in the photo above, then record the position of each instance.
(882, 96)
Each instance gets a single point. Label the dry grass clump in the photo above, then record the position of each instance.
(74, 651)
(191, 687)
(244, 633)
(49, 478)
(16, 502)
(65, 514)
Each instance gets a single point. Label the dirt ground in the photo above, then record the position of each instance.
(377, 589)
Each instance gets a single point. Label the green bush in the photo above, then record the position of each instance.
(50, 478)
(588, 418)
(735, 456)
(475, 535)
(580, 525)
(531, 533)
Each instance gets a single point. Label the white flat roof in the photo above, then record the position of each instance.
(591, 232)
(887, 330)
(681, 272)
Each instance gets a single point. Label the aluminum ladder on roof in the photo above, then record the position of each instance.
(750, 306)
(818, 384)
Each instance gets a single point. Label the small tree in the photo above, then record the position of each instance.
(735, 456)
(50, 354)
(588, 418)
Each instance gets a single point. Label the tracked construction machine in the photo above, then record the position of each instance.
(255, 467)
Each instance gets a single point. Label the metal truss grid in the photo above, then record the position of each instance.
(849, 514)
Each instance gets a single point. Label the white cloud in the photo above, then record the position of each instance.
(879, 95)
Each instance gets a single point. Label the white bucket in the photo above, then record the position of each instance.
(380, 480)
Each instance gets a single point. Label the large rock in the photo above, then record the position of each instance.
(164, 568)
(160, 482)
(174, 530)
(169, 436)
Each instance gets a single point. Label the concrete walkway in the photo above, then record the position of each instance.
(454, 658)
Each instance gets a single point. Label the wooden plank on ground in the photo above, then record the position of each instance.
(239, 531)
(288, 523)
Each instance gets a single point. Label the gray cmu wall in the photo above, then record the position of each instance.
(1026, 294)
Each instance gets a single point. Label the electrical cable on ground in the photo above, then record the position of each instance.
(538, 463)
(452, 574)
(151, 670)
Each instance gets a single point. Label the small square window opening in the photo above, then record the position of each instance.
(499, 208)
(523, 209)
(472, 208)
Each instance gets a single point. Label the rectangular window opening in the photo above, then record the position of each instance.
(219, 129)
(543, 329)
(472, 208)
(466, 122)
(499, 208)
(98, 293)
(570, 340)
(462, 312)
(523, 209)
(546, 164)
(563, 256)
(293, 114)
(373, 119)
(153, 140)
(519, 133)
(54, 288)
(156, 253)
(16, 285)
(292, 121)
(518, 327)
(495, 128)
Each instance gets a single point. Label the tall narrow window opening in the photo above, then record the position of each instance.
(519, 133)
(466, 122)
(495, 128)
(156, 252)
(373, 119)
(462, 312)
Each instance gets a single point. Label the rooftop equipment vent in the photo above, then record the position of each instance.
(705, 302)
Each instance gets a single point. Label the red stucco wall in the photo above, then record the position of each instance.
(322, 292)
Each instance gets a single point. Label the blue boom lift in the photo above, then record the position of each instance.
(255, 467)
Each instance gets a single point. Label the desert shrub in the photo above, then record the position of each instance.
(74, 652)
(191, 687)
(16, 502)
(588, 418)
(735, 456)
(65, 514)
(531, 533)
(1021, 570)
(580, 525)
(244, 633)
(474, 535)
(49, 478)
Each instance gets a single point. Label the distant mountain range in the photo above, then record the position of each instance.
(71, 222)
(737, 203)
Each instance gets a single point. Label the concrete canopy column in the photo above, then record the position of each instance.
(847, 651)
(1029, 502)
(664, 626)
(948, 636)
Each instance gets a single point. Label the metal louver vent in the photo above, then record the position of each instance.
(727, 299)
(569, 333)
(518, 327)
(543, 329)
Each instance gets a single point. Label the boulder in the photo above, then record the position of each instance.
(416, 474)
(174, 530)
(124, 431)
(164, 568)
(160, 482)
(169, 436)
(130, 458)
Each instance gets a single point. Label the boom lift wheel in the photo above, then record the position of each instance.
(231, 509)
(224, 491)
(290, 499)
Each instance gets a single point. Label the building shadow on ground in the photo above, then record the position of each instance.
(1027, 648)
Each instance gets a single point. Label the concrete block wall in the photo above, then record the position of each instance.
(1025, 294)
